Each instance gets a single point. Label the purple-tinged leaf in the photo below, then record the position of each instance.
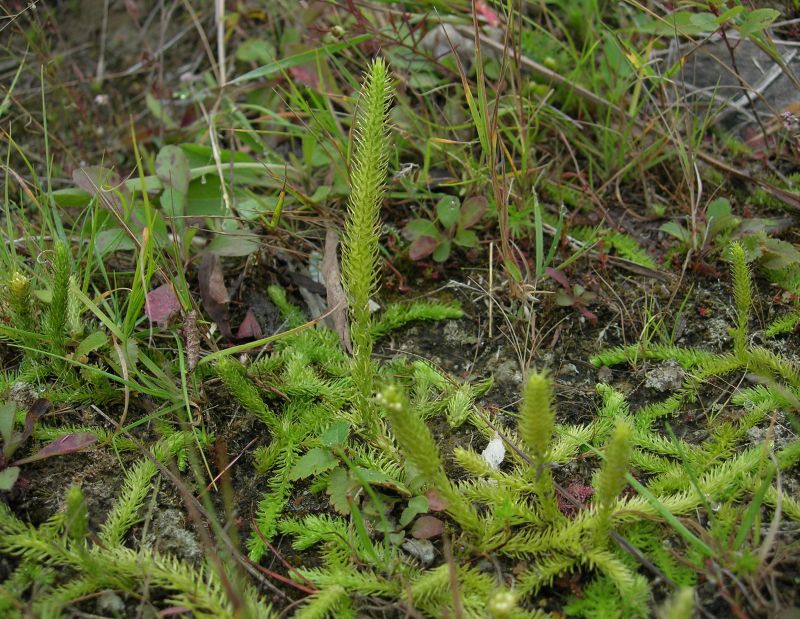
(560, 277)
(249, 329)
(435, 501)
(588, 314)
(427, 527)
(37, 410)
(161, 303)
(174, 611)
(67, 444)
(471, 212)
(422, 247)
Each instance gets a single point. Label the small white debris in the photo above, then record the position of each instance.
(420, 549)
(373, 306)
(495, 452)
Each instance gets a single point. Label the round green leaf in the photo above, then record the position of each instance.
(421, 227)
(442, 252)
(466, 238)
(447, 210)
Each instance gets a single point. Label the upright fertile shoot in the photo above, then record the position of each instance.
(360, 262)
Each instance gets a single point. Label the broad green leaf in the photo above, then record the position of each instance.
(250, 209)
(377, 478)
(442, 252)
(200, 156)
(204, 198)
(678, 231)
(564, 300)
(8, 477)
(339, 488)
(705, 22)
(730, 14)
(778, 254)
(238, 243)
(421, 227)
(316, 461)
(113, 240)
(416, 506)
(466, 238)
(682, 23)
(172, 169)
(719, 217)
(757, 21)
(8, 413)
(255, 50)
(90, 343)
(336, 434)
(719, 208)
(447, 210)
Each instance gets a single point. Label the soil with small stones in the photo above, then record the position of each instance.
(544, 336)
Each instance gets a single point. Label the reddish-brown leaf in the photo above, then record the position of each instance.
(214, 293)
(422, 247)
(161, 303)
(560, 277)
(472, 211)
(249, 329)
(427, 527)
(66, 444)
(37, 410)
(482, 9)
(435, 502)
(304, 76)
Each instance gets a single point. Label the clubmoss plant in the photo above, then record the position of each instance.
(611, 478)
(19, 300)
(21, 308)
(57, 314)
(537, 422)
(419, 446)
(742, 296)
(65, 564)
(360, 261)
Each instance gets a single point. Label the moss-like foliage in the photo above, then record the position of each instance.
(624, 245)
(63, 563)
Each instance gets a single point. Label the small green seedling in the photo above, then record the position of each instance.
(720, 222)
(454, 222)
(573, 295)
